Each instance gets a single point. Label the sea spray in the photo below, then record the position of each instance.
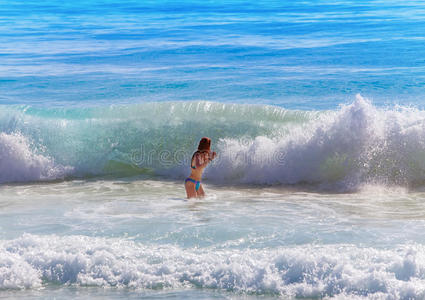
(19, 162)
(358, 144)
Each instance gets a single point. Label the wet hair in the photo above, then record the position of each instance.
(204, 144)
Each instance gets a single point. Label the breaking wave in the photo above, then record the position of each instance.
(354, 145)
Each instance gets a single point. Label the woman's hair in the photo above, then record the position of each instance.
(204, 144)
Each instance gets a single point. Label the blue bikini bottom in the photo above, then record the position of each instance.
(198, 183)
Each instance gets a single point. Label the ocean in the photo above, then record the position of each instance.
(316, 110)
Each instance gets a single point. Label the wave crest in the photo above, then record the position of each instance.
(346, 148)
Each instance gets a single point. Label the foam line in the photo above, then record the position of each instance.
(301, 271)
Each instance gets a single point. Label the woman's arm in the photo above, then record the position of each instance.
(200, 160)
(203, 159)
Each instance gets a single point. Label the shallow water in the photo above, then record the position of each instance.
(126, 236)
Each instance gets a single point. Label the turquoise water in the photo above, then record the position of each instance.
(315, 109)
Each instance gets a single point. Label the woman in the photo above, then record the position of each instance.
(200, 160)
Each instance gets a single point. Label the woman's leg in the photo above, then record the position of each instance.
(190, 189)
(200, 192)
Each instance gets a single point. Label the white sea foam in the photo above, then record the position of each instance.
(301, 271)
(19, 162)
(356, 145)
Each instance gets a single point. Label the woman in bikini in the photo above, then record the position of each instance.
(200, 160)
